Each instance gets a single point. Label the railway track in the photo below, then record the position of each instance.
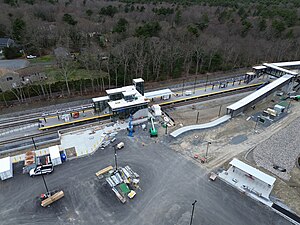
(205, 98)
(209, 96)
(31, 118)
(164, 105)
(18, 120)
(38, 137)
(18, 123)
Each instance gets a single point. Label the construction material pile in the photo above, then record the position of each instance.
(122, 181)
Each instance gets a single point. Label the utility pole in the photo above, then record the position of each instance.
(197, 117)
(287, 108)
(183, 82)
(220, 110)
(166, 128)
(208, 143)
(33, 143)
(206, 82)
(194, 203)
(195, 85)
(256, 122)
(116, 160)
(45, 183)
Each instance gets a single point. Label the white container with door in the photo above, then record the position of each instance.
(6, 168)
(55, 155)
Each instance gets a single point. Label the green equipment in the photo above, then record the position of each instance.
(153, 131)
(296, 97)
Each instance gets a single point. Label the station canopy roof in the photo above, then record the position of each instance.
(253, 171)
(271, 65)
(286, 64)
(259, 67)
(120, 90)
(100, 99)
(159, 93)
(260, 92)
(138, 80)
(129, 93)
(122, 103)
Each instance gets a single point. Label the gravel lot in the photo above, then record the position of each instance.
(281, 149)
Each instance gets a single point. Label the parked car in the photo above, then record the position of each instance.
(279, 168)
(31, 56)
(41, 169)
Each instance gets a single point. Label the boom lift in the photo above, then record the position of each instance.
(153, 131)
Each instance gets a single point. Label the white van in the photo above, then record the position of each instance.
(120, 145)
(41, 169)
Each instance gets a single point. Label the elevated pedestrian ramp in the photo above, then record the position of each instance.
(250, 100)
(203, 126)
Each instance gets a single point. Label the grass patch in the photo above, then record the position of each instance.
(43, 59)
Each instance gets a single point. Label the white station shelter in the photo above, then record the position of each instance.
(162, 94)
(249, 179)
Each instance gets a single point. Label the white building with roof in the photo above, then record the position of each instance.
(249, 179)
(125, 101)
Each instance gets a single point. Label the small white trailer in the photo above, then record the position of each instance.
(6, 168)
(55, 155)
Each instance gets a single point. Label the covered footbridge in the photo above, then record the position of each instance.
(250, 100)
(277, 69)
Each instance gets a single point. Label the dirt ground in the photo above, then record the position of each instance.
(236, 138)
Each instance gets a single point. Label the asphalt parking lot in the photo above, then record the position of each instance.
(169, 185)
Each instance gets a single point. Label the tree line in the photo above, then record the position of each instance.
(155, 40)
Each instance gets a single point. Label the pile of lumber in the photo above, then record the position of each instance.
(52, 198)
(104, 171)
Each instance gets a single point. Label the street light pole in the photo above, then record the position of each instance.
(193, 211)
(206, 82)
(33, 143)
(116, 161)
(208, 143)
(256, 122)
(183, 82)
(45, 183)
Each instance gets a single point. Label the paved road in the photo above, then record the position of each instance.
(169, 183)
(14, 64)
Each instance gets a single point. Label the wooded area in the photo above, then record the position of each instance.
(156, 40)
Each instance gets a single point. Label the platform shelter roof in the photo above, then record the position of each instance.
(253, 171)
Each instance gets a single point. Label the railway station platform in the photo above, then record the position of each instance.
(69, 119)
(83, 116)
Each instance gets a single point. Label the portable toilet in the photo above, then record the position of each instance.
(6, 168)
(55, 155)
